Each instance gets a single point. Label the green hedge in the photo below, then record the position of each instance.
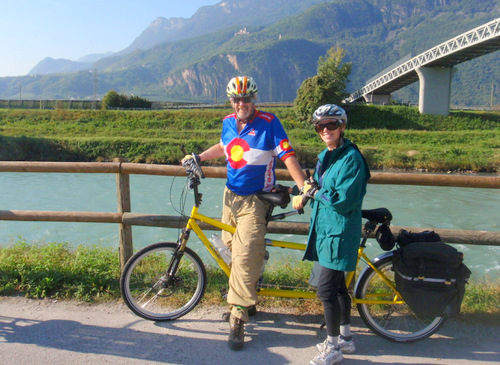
(390, 137)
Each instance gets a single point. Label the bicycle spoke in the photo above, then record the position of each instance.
(159, 301)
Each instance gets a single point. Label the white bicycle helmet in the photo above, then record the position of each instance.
(241, 86)
(329, 112)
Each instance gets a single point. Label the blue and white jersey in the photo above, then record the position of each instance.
(251, 155)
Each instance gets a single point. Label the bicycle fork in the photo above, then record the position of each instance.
(176, 258)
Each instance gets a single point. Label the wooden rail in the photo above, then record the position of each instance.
(126, 219)
(466, 181)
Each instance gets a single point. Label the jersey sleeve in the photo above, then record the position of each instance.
(282, 147)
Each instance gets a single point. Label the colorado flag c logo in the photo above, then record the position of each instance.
(235, 150)
(285, 145)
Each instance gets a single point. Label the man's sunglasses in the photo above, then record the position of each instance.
(244, 99)
(331, 126)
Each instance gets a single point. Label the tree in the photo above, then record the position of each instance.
(327, 87)
(114, 100)
(111, 100)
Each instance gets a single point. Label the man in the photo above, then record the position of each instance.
(251, 140)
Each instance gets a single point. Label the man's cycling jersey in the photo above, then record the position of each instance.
(251, 155)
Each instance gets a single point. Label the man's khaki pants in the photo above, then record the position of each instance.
(248, 214)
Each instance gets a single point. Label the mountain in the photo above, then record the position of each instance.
(95, 57)
(53, 66)
(50, 65)
(207, 19)
(279, 54)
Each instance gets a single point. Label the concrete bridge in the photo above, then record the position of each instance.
(434, 69)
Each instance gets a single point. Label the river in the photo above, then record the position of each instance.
(413, 206)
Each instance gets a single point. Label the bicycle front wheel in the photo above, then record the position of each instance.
(395, 322)
(148, 290)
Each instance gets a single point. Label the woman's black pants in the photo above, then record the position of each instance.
(332, 291)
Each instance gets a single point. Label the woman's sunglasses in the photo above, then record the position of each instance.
(331, 126)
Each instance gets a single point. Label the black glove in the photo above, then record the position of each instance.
(278, 188)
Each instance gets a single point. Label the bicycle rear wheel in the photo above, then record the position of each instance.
(149, 292)
(395, 322)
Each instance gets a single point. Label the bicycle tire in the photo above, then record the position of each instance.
(143, 282)
(394, 322)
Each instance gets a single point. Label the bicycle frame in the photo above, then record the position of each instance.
(166, 280)
(192, 224)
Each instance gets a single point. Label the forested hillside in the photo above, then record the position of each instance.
(374, 34)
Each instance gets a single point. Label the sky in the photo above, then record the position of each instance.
(31, 30)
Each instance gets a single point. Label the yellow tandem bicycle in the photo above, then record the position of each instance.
(164, 281)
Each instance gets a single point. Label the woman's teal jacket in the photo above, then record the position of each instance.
(335, 229)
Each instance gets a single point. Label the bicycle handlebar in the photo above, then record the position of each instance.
(193, 168)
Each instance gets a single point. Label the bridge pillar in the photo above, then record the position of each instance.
(435, 89)
(378, 99)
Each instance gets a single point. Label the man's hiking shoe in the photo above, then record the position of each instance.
(252, 311)
(236, 333)
(330, 355)
(347, 347)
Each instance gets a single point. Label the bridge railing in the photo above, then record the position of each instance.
(126, 219)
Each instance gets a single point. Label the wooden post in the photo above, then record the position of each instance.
(124, 206)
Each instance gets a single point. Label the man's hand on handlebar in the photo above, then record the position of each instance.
(187, 159)
(192, 165)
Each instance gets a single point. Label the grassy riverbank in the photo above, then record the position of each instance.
(92, 274)
(390, 137)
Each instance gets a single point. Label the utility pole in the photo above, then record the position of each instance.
(216, 84)
(270, 89)
(96, 87)
(491, 97)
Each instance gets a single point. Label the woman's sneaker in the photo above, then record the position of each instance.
(347, 347)
(330, 355)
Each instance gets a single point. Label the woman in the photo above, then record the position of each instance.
(337, 193)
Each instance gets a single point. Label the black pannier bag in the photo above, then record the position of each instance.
(406, 237)
(431, 278)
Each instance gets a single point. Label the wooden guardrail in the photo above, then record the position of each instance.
(126, 219)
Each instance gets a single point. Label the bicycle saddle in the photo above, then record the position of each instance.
(280, 198)
(379, 215)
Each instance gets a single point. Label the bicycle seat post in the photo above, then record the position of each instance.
(368, 228)
(270, 212)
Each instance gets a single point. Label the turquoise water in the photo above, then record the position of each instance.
(412, 206)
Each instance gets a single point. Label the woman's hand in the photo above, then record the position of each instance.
(299, 201)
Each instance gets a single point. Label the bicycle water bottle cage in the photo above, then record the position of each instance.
(379, 215)
(280, 199)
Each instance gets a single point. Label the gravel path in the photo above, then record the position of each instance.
(67, 332)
